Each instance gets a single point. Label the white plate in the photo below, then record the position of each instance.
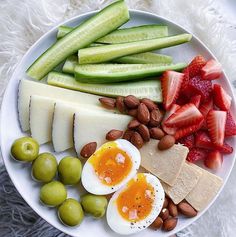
(10, 130)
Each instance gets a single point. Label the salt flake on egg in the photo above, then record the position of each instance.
(120, 159)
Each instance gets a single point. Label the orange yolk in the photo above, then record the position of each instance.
(135, 202)
(111, 164)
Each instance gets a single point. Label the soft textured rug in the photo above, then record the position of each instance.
(23, 22)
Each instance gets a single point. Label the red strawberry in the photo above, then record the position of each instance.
(196, 65)
(168, 130)
(196, 154)
(198, 87)
(212, 70)
(184, 116)
(216, 126)
(196, 100)
(213, 160)
(182, 100)
(225, 148)
(185, 79)
(187, 141)
(185, 131)
(221, 98)
(206, 107)
(230, 126)
(171, 83)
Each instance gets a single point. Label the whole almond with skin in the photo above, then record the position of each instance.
(108, 103)
(157, 223)
(186, 209)
(169, 224)
(120, 105)
(128, 134)
(156, 133)
(136, 140)
(131, 102)
(173, 210)
(88, 149)
(155, 118)
(143, 114)
(149, 103)
(166, 142)
(166, 202)
(134, 123)
(164, 214)
(114, 134)
(133, 112)
(144, 132)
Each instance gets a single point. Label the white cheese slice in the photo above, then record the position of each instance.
(205, 190)
(185, 182)
(166, 164)
(28, 88)
(93, 127)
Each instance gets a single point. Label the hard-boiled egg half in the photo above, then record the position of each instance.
(110, 167)
(136, 205)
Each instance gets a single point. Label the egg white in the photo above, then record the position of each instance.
(121, 226)
(94, 185)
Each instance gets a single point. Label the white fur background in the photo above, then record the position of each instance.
(23, 22)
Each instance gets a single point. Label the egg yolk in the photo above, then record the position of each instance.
(135, 202)
(111, 164)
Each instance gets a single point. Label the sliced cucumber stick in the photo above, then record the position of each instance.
(109, 73)
(142, 89)
(110, 52)
(70, 63)
(107, 20)
(125, 35)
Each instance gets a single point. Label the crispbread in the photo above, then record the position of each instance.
(166, 164)
(186, 181)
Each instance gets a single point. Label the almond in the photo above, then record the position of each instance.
(133, 112)
(157, 223)
(88, 149)
(155, 118)
(133, 124)
(166, 202)
(149, 103)
(156, 133)
(143, 114)
(166, 142)
(136, 140)
(114, 134)
(169, 224)
(173, 210)
(108, 103)
(144, 132)
(186, 209)
(120, 105)
(164, 214)
(128, 134)
(131, 102)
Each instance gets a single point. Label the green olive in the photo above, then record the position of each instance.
(94, 205)
(71, 212)
(69, 170)
(25, 149)
(44, 168)
(53, 193)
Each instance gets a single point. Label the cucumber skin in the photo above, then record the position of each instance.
(110, 52)
(142, 89)
(82, 36)
(155, 31)
(113, 72)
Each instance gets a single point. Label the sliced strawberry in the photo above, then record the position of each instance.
(221, 98)
(184, 116)
(185, 131)
(168, 130)
(225, 148)
(198, 87)
(185, 79)
(212, 70)
(187, 141)
(213, 160)
(206, 107)
(216, 126)
(196, 100)
(171, 83)
(196, 154)
(182, 99)
(196, 65)
(230, 126)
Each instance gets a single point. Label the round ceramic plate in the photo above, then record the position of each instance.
(10, 129)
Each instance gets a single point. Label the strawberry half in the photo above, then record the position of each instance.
(168, 130)
(196, 100)
(230, 126)
(221, 98)
(204, 109)
(188, 141)
(212, 70)
(184, 116)
(171, 83)
(216, 126)
(196, 65)
(196, 154)
(213, 160)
